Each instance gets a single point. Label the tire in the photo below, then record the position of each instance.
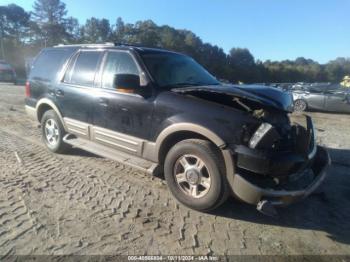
(202, 189)
(300, 105)
(51, 126)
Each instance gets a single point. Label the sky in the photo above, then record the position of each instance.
(270, 29)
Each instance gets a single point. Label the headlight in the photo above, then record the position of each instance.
(259, 134)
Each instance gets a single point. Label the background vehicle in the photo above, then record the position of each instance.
(322, 97)
(7, 72)
(158, 110)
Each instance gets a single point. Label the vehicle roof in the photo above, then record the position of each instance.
(138, 48)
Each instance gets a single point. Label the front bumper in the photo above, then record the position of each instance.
(300, 171)
(252, 193)
(276, 163)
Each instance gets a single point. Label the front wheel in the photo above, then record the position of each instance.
(194, 172)
(53, 132)
(300, 105)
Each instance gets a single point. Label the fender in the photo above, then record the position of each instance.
(227, 155)
(46, 101)
(189, 127)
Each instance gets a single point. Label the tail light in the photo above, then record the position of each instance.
(27, 89)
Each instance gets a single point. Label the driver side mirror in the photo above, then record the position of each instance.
(126, 83)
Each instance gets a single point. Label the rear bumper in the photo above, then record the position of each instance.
(252, 193)
(31, 112)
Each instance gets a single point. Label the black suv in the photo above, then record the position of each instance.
(161, 112)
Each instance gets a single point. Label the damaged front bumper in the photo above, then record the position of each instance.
(257, 171)
(251, 192)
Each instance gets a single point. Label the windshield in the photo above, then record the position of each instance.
(171, 70)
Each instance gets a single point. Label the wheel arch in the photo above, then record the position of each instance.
(45, 104)
(177, 132)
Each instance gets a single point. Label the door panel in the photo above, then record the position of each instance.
(124, 113)
(128, 114)
(316, 100)
(75, 102)
(337, 101)
(75, 94)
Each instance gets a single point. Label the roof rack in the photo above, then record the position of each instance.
(87, 45)
(109, 44)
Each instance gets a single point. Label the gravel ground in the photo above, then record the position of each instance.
(79, 203)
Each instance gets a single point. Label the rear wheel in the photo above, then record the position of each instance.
(53, 132)
(194, 173)
(300, 105)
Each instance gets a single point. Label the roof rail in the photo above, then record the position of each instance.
(86, 45)
(136, 45)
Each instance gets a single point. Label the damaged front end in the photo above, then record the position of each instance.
(276, 162)
(278, 170)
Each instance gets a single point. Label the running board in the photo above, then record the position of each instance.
(104, 151)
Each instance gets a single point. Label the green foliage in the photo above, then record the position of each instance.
(24, 34)
(96, 31)
(49, 17)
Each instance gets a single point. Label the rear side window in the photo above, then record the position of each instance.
(48, 63)
(82, 71)
(117, 63)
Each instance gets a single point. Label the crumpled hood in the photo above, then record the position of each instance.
(268, 96)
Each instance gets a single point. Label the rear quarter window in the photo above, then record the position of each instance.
(48, 63)
(82, 71)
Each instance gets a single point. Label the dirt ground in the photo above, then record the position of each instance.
(79, 203)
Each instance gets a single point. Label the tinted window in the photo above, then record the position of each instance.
(49, 62)
(117, 63)
(83, 70)
(170, 69)
(317, 89)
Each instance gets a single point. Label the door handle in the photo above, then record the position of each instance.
(103, 102)
(59, 92)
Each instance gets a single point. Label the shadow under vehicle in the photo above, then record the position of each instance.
(321, 97)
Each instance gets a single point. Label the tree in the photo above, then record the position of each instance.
(96, 30)
(73, 30)
(14, 24)
(49, 16)
(23, 34)
(241, 57)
